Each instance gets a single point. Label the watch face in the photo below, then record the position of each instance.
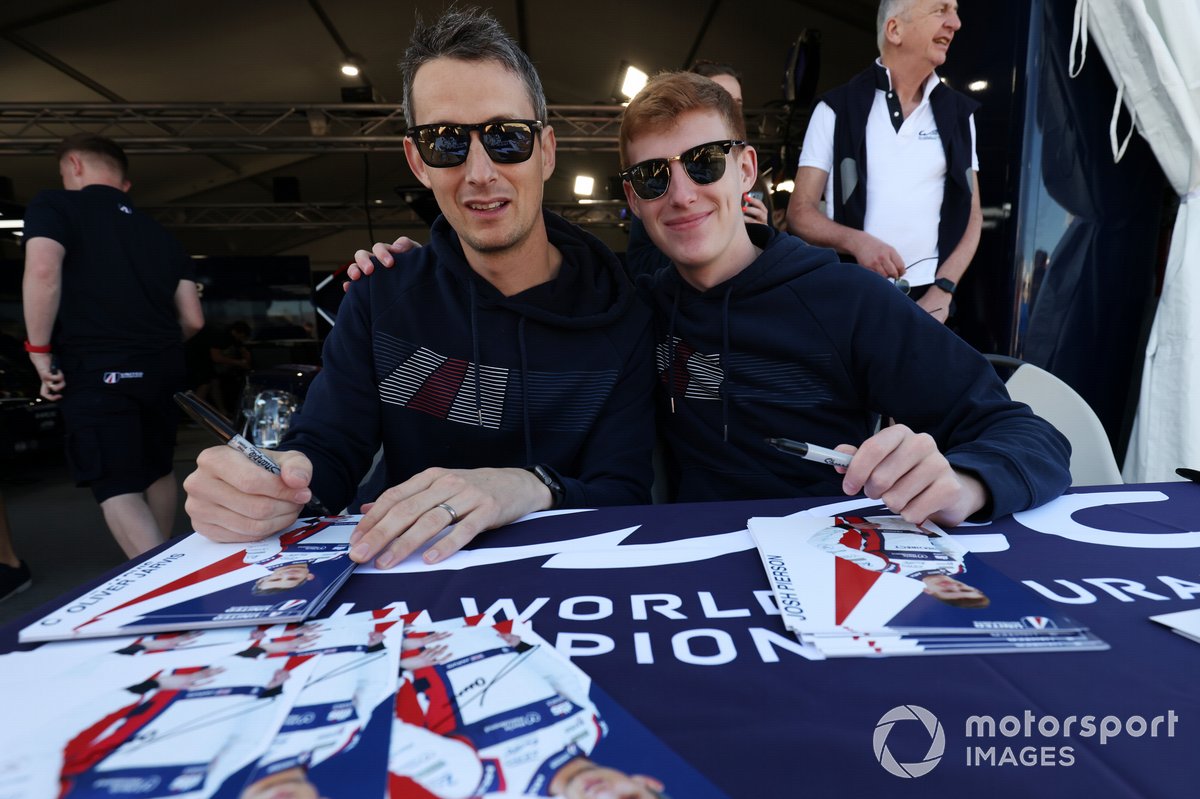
(556, 490)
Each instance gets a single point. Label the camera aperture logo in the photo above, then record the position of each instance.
(933, 727)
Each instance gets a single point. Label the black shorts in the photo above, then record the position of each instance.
(120, 420)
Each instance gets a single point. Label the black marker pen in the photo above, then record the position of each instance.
(209, 418)
(810, 452)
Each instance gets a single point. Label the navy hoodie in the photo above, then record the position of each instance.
(799, 345)
(565, 375)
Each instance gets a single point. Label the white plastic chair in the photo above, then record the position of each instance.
(1092, 460)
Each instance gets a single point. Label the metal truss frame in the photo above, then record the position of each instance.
(344, 216)
(31, 129)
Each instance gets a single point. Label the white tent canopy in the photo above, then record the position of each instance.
(1150, 49)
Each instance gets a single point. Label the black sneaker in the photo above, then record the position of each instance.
(14, 580)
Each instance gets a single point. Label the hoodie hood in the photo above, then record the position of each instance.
(591, 289)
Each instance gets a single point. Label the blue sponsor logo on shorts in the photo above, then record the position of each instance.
(117, 377)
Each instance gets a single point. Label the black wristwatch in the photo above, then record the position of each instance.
(945, 284)
(557, 492)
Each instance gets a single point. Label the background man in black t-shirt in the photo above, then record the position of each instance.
(109, 298)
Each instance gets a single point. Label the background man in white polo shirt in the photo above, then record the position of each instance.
(893, 153)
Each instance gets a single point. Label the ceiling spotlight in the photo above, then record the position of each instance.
(632, 81)
(18, 224)
(786, 185)
(353, 65)
(977, 86)
(584, 185)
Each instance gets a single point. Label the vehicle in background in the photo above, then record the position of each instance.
(28, 423)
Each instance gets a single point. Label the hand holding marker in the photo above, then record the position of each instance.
(811, 452)
(209, 418)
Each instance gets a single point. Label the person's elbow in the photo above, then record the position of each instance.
(798, 218)
(793, 220)
(191, 324)
(188, 309)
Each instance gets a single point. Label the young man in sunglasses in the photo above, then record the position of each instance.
(505, 368)
(760, 335)
(641, 256)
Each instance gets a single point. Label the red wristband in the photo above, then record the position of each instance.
(35, 348)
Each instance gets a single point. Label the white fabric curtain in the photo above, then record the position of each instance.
(1150, 48)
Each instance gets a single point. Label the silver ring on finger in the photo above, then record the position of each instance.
(453, 513)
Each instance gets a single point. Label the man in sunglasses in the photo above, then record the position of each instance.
(904, 198)
(641, 256)
(760, 335)
(504, 369)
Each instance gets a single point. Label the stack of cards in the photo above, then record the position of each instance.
(376, 704)
(200, 673)
(204, 713)
(853, 586)
(1184, 622)
(198, 584)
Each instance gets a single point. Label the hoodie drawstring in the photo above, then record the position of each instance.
(671, 351)
(725, 363)
(476, 373)
(525, 392)
(475, 364)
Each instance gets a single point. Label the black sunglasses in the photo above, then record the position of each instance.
(902, 283)
(443, 144)
(704, 164)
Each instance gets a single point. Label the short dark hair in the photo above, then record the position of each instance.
(469, 35)
(711, 69)
(99, 146)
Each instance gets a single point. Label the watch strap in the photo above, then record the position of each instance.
(945, 284)
(548, 479)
